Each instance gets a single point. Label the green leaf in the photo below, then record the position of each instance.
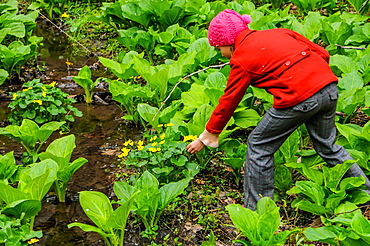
(247, 118)
(22, 208)
(7, 166)
(3, 76)
(97, 207)
(169, 191)
(282, 178)
(89, 228)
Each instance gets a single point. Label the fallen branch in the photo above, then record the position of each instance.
(182, 79)
(348, 47)
(363, 6)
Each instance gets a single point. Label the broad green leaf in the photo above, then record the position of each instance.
(60, 150)
(3, 76)
(9, 194)
(22, 208)
(169, 191)
(204, 51)
(350, 81)
(361, 226)
(123, 190)
(88, 228)
(7, 165)
(97, 207)
(246, 118)
(311, 207)
(119, 217)
(283, 178)
(322, 234)
(311, 190)
(244, 219)
(333, 176)
(291, 146)
(195, 97)
(47, 129)
(344, 63)
(148, 112)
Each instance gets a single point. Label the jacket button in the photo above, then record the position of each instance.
(287, 63)
(303, 53)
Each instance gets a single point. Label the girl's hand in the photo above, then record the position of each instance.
(195, 146)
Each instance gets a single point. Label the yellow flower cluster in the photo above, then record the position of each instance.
(64, 15)
(140, 145)
(154, 149)
(125, 152)
(32, 241)
(128, 142)
(169, 124)
(37, 101)
(190, 137)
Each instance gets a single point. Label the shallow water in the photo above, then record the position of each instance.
(99, 136)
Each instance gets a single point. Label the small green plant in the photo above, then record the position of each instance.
(13, 232)
(24, 202)
(151, 201)
(85, 81)
(60, 150)
(110, 223)
(42, 103)
(259, 226)
(235, 158)
(162, 154)
(30, 136)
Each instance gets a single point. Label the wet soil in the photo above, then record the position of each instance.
(99, 137)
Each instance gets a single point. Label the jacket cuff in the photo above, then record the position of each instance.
(209, 139)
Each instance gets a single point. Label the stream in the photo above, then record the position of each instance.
(99, 136)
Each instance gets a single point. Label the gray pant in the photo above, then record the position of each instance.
(318, 114)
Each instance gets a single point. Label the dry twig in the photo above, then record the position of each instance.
(348, 47)
(182, 79)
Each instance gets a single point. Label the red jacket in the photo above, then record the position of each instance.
(281, 61)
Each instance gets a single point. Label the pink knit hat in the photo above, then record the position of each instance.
(226, 26)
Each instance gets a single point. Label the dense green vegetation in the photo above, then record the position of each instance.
(168, 79)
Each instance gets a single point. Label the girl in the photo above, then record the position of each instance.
(297, 73)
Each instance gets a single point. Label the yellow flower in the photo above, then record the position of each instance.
(190, 137)
(152, 150)
(162, 142)
(24, 90)
(64, 15)
(137, 78)
(32, 241)
(129, 142)
(154, 144)
(158, 149)
(37, 101)
(140, 143)
(44, 88)
(140, 147)
(170, 124)
(160, 125)
(125, 152)
(69, 63)
(15, 96)
(163, 136)
(153, 138)
(44, 93)
(52, 84)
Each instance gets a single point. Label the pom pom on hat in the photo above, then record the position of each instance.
(226, 26)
